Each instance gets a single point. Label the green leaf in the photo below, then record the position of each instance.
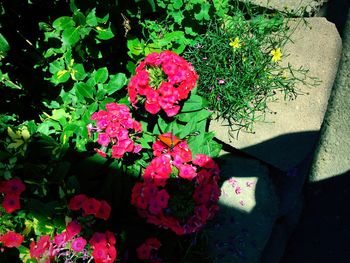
(101, 75)
(135, 47)
(203, 13)
(48, 127)
(4, 45)
(178, 16)
(70, 36)
(60, 76)
(116, 82)
(177, 4)
(79, 18)
(104, 33)
(63, 22)
(197, 115)
(58, 114)
(78, 72)
(84, 90)
(194, 103)
(91, 19)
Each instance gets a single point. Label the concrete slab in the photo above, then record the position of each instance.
(248, 209)
(332, 157)
(286, 138)
(299, 7)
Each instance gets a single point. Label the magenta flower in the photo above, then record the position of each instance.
(78, 244)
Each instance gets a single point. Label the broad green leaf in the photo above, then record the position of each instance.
(177, 4)
(58, 114)
(135, 46)
(178, 16)
(104, 33)
(189, 31)
(70, 36)
(194, 103)
(91, 19)
(4, 45)
(116, 83)
(203, 13)
(103, 20)
(85, 90)
(48, 127)
(63, 22)
(101, 75)
(197, 115)
(79, 18)
(78, 72)
(56, 66)
(60, 76)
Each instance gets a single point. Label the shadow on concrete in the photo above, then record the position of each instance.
(323, 234)
(337, 12)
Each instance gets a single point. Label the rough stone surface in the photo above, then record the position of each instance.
(248, 209)
(289, 136)
(333, 154)
(294, 6)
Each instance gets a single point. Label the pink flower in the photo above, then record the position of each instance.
(187, 171)
(103, 139)
(78, 244)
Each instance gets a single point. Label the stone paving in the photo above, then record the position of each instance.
(262, 201)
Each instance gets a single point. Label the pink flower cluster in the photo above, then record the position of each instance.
(178, 79)
(148, 250)
(69, 244)
(90, 206)
(151, 196)
(115, 128)
(11, 239)
(12, 190)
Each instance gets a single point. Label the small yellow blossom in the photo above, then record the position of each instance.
(276, 54)
(236, 44)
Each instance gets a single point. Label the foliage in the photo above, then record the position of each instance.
(241, 67)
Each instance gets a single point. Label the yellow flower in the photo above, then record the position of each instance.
(236, 44)
(276, 54)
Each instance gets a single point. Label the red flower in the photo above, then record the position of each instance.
(104, 210)
(72, 229)
(11, 203)
(98, 239)
(162, 198)
(100, 254)
(91, 206)
(78, 244)
(76, 202)
(11, 239)
(143, 252)
(13, 187)
(43, 245)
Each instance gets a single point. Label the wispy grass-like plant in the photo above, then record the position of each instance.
(239, 63)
